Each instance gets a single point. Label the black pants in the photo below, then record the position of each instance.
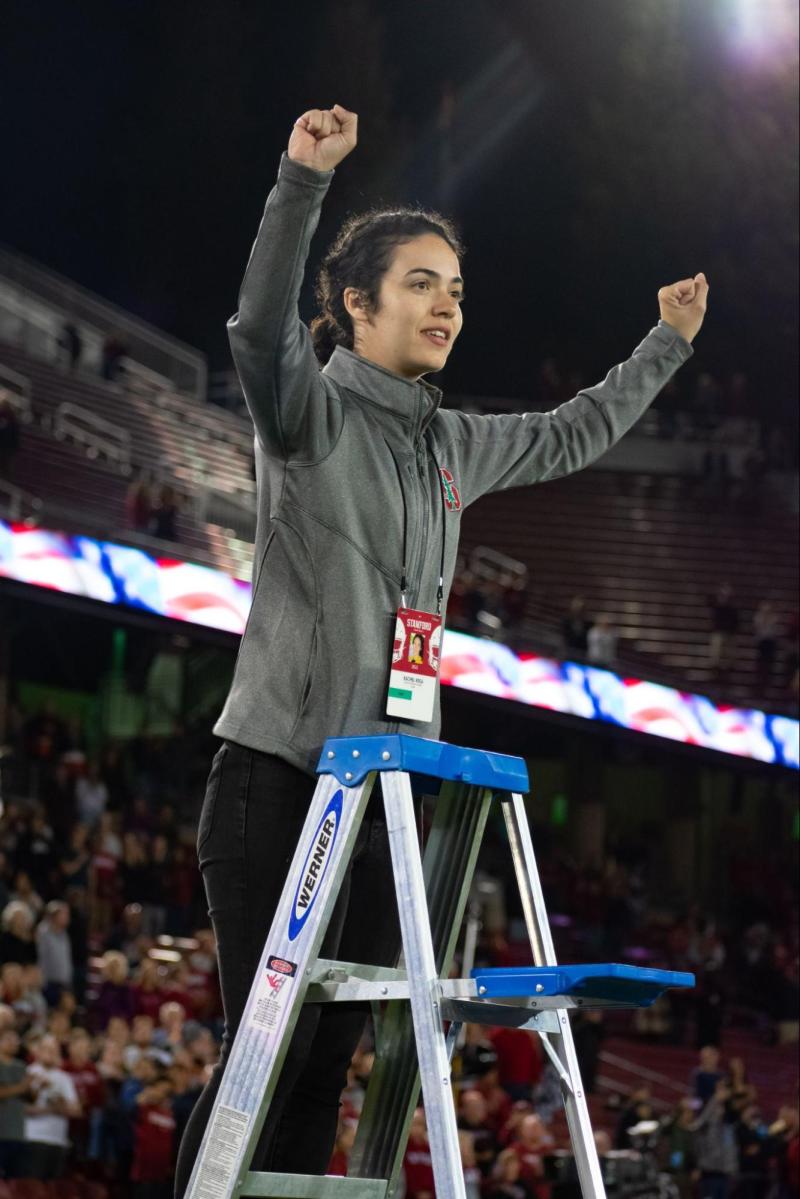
(43, 1161)
(250, 823)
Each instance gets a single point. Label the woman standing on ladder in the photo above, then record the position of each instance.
(362, 479)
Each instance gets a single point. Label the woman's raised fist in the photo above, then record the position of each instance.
(322, 137)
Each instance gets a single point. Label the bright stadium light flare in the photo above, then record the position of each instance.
(763, 33)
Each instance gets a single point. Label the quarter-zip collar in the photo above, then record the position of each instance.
(414, 402)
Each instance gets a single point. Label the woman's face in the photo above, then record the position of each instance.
(416, 647)
(420, 291)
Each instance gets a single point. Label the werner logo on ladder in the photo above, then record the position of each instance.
(431, 896)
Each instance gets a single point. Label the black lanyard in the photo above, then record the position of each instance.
(404, 572)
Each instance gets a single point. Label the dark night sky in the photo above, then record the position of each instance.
(599, 152)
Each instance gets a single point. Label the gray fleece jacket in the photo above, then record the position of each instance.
(350, 461)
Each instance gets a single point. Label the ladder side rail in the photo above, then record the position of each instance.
(423, 977)
(276, 996)
(538, 926)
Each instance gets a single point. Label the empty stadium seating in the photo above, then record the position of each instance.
(648, 552)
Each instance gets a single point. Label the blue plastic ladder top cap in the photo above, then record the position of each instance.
(609, 982)
(350, 759)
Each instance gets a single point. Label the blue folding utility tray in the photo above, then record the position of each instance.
(596, 985)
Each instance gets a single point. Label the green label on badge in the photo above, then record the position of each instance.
(396, 693)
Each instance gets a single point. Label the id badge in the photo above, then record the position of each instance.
(415, 665)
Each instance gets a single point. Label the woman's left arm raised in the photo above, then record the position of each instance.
(501, 451)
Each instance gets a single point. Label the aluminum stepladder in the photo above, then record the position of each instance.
(418, 999)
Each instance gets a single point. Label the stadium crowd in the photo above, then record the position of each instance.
(110, 1014)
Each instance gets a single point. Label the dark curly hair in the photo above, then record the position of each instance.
(359, 257)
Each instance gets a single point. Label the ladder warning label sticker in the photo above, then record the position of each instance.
(223, 1150)
(271, 998)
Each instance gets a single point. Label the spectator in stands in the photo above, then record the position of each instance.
(507, 1181)
(148, 992)
(753, 1142)
(154, 1141)
(638, 1107)
(531, 1146)
(128, 935)
(31, 1007)
(76, 858)
(16, 940)
(36, 853)
(165, 513)
(84, 1131)
(706, 1074)
(9, 438)
(766, 628)
(575, 629)
(115, 996)
(71, 344)
(724, 627)
(139, 504)
(15, 1089)
(473, 1118)
(54, 950)
(785, 1144)
(602, 643)
(171, 1021)
(114, 350)
(25, 892)
(715, 1145)
(91, 795)
(47, 1118)
(345, 1138)
(679, 1142)
(519, 1060)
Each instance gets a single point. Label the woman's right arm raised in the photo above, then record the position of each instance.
(271, 346)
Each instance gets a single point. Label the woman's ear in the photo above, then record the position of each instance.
(354, 303)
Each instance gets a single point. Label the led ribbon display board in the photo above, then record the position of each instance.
(118, 574)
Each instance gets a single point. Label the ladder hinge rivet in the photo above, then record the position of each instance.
(331, 754)
(386, 755)
(384, 990)
(481, 990)
(539, 987)
(356, 753)
(348, 775)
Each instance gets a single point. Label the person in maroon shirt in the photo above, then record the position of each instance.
(519, 1060)
(154, 1147)
(90, 1087)
(115, 996)
(148, 993)
(532, 1143)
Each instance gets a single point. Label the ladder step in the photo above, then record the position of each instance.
(607, 982)
(350, 760)
(307, 1186)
